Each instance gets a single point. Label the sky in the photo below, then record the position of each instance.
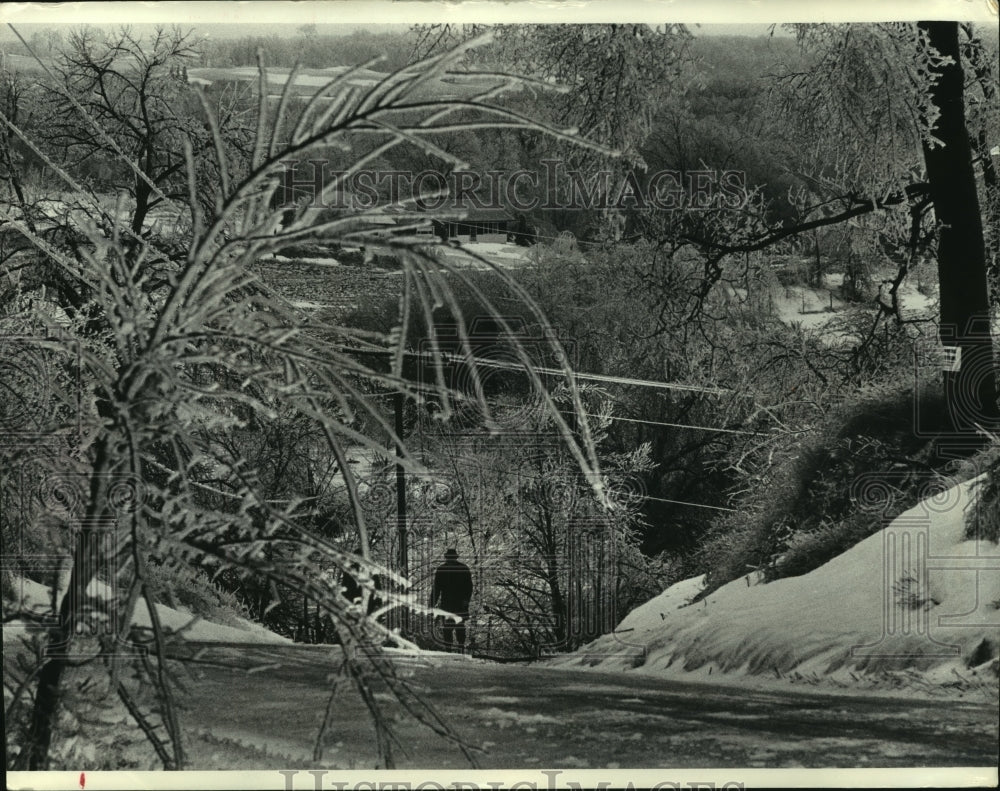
(240, 29)
(244, 17)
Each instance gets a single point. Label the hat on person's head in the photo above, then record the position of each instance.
(451, 553)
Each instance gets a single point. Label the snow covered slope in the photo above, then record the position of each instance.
(36, 597)
(915, 596)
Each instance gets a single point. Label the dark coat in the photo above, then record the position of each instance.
(453, 586)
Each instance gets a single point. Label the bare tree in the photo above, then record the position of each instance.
(121, 99)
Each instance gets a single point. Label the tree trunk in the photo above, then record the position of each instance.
(34, 755)
(970, 391)
(819, 263)
(980, 142)
(142, 194)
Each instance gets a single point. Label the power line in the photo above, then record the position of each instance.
(680, 425)
(603, 378)
(682, 502)
(648, 383)
(640, 496)
(521, 475)
(512, 366)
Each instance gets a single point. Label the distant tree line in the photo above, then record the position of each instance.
(310, 49)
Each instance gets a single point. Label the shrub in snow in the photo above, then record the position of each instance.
(911, 595)
(811, 510)
(983, 521)
(180, 586)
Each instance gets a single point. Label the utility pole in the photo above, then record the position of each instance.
(402, 556)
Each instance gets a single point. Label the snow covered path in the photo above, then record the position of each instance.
(537, 716)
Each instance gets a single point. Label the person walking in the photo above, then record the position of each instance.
(452, 591)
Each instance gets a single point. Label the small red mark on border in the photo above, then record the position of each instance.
(83, 779)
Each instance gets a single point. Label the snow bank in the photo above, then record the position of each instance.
(499, 253)
(915, 596)
(37, 598)
(650, 616)
(324, 261)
